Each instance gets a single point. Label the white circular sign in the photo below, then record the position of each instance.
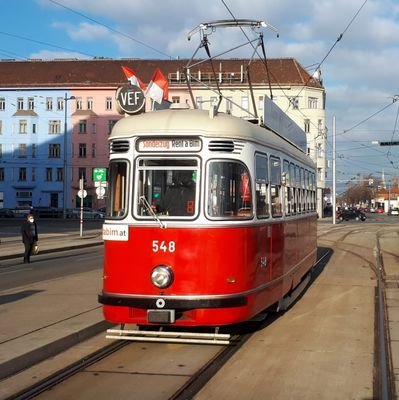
(82, 193)
(100, 191)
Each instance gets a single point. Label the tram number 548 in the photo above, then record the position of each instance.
(161, 245)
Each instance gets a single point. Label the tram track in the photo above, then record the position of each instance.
(96, 365)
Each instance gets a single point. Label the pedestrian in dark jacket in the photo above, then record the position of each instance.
(29, 236)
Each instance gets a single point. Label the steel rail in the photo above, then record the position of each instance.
(384, 348)
(67, 372)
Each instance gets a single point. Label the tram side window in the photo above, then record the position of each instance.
(167, 187)
(261, 186)
(313, 179)
(117, 189)
(293, 189)
(275, 186)
(229, 190)
(298, 189)
(303, 190)
(287, 184)
(308, 191)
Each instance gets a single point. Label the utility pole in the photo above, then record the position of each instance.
(334, 175)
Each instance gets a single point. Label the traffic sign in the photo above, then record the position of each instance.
(389, 143)
(82, 193)
(99, 174)
(100, 191)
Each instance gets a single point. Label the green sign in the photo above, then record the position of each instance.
(99, 174)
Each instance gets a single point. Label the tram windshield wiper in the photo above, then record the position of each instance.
(150, 211)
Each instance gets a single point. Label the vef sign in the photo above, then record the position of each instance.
(130, 99)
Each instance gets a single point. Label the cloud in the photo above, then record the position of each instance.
(84, 31)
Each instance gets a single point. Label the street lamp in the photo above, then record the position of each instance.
(66, 99)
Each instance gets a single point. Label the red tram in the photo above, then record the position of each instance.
(210, 220)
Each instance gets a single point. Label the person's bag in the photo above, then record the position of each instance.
(35, 249)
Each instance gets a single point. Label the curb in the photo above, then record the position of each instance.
(47, 251)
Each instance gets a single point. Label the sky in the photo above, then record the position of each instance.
(356, 42)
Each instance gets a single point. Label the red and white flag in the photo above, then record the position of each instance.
(132, 78)
(158, 88)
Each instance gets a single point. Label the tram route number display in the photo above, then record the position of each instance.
(166, 144)
(161, 245)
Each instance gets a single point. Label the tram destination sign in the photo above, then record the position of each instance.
(169, 145)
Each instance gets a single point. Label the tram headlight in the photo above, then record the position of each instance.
(162, 276)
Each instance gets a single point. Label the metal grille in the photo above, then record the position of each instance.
(119, 146)
(226, 146)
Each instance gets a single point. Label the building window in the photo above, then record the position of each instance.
(31, 103)
(198, 102)
(294, 102)
(49, 174)
(54, 151)
(22, 150)
(229, 105)
(82, 173)
(33, 128)
(60, 174)
(82, 126)
(1, 127)
(175, 99)
(319, 127)
(60, 103)
(79, 104)
(312, 102)
(1, 150)
(260, 102)
(108, 103)
(33, 174)
(90, 103)
(93, 150)
(33, 150)
(93, 127)
(82, 150)
(49, 103)
(111, 123)
(20, 103)
(244, 103)
(307, 125)
(1, 174)
(2, 104)
(22, 174)
(54, 127)
(23, 126)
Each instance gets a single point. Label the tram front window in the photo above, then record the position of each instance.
(168, 188)
(229, 190)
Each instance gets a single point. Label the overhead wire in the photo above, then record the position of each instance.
(44, 43)
(110, 28)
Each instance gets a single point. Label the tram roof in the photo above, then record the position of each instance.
(183, 122)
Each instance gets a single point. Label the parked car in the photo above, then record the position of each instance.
(6, 213)
(394, 211)
(346, 215)
(88, 213)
